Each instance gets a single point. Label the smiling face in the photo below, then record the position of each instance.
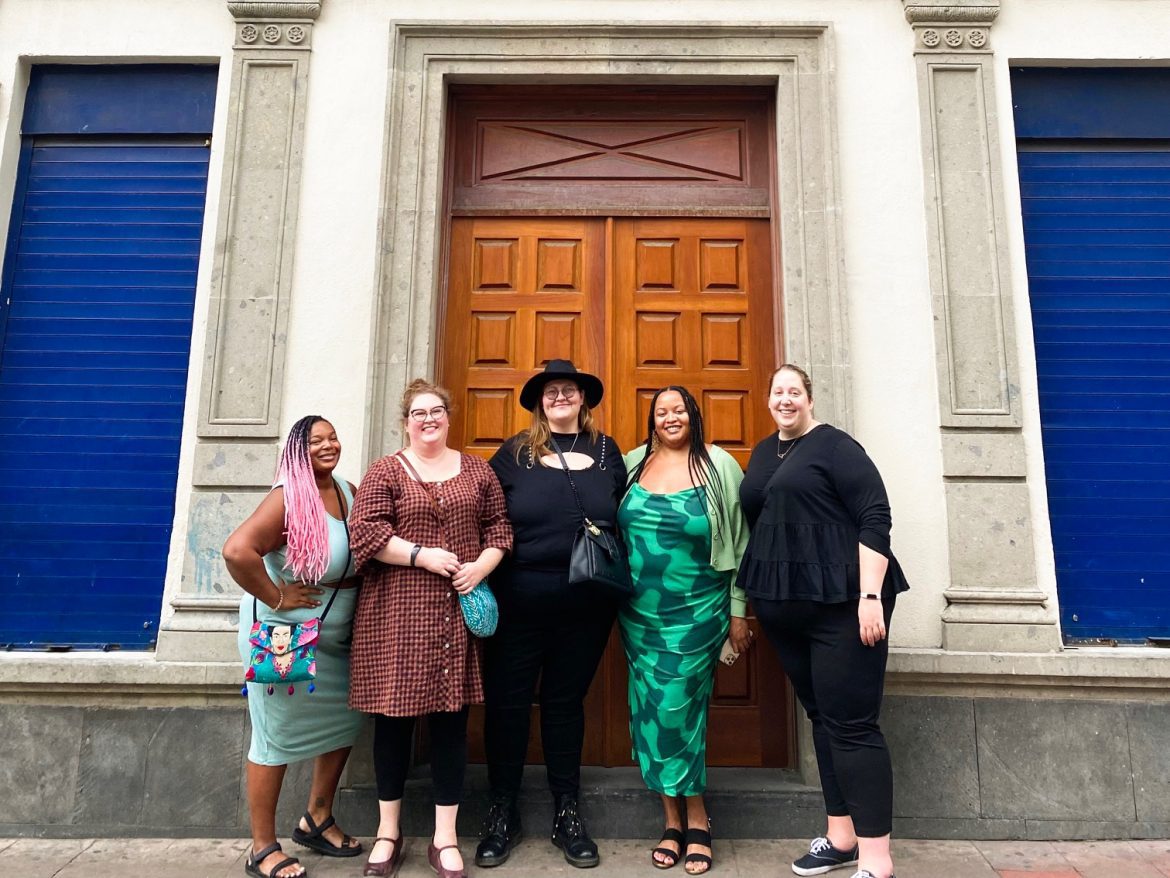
(427, 422)
(672, 422)
(561, 401)
(324, 449)
(790, 403)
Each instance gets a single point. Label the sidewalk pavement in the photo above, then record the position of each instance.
(621, 858)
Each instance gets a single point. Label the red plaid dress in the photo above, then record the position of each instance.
(412, 654)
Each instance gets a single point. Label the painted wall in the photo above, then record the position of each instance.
(882, 216)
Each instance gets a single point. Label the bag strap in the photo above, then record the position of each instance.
(348, 558)
(572, 484)
(426, 488)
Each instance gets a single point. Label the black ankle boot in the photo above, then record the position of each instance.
(570, 836)
(501, 832)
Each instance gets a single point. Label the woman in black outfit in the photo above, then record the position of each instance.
(821, 577)
(548, 628)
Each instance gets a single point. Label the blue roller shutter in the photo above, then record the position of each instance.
(99, 287)
(1096, 214)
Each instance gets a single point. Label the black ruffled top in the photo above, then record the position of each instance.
(808, 512)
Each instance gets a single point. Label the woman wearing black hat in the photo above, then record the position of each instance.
(548, 629)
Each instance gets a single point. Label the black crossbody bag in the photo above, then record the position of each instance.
(599, 556)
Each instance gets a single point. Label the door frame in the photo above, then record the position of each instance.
(795, 60)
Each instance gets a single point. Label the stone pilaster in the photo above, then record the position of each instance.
(243, 375)
(994, 603)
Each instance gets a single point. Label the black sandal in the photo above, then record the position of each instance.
(315, 839)
(670, 834)
(252, 864)
(703, 837)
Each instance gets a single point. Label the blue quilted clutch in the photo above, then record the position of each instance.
(480, 611)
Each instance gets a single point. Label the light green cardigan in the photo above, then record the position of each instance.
(729, 541)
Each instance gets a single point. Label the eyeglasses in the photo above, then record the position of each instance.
(435, 414)
(569, 393)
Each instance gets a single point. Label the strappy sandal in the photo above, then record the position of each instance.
(315, 839)
(385, 868)
(252, 864)
(703, 837)
(669, 834)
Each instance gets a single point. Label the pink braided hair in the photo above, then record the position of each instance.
(305, 525)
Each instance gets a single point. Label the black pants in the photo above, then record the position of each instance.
(392, 739)
(839, 681)
(557, 636)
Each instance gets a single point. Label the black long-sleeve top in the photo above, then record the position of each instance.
(543, 513)
(808, 513)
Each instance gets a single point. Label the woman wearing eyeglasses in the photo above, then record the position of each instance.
(428, 524)
(549, 629)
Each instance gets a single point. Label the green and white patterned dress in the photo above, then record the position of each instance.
(672, 630)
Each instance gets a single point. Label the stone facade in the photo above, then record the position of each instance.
(901, 264)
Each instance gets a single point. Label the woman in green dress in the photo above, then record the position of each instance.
(686, 534)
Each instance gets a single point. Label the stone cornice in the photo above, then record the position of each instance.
(954, 12)
(955, 26)
(268, 9)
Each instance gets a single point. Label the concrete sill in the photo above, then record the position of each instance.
(1120, 672)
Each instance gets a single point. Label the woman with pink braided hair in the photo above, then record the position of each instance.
(291, 558)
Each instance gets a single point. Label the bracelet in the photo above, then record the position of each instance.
(414, 554)
(870, 596)
(279, 603)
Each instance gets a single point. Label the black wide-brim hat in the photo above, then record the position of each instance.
(558, 370)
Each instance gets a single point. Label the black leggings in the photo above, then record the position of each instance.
(558, 637)
(392, 739)
(839, 681)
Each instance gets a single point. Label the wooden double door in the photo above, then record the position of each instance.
(642, 303)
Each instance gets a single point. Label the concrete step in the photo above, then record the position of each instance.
(742, 802)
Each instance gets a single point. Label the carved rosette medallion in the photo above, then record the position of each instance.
(957, 26)
(274, 24)
(952, 39)
(273, 35)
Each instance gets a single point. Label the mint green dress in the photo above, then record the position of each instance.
(288, 728)
(672, 630)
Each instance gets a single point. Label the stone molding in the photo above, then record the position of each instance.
(797, 58)
(251, 285)
(992, 607)
(279, 9)
(952, 28)
(974, 12)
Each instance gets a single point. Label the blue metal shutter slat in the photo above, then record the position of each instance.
(92, 385)
(1097, 235)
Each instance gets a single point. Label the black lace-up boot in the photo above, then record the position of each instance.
(500, 833)
(570, 836)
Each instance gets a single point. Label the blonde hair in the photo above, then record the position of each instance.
(537, 439)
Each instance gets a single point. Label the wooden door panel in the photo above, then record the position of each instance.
(693, 306)
(520, 292)
(643, 303)
(683, 292)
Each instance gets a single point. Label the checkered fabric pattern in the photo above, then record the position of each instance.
(412, 654)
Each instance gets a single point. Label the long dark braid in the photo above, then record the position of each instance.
(699, 464)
